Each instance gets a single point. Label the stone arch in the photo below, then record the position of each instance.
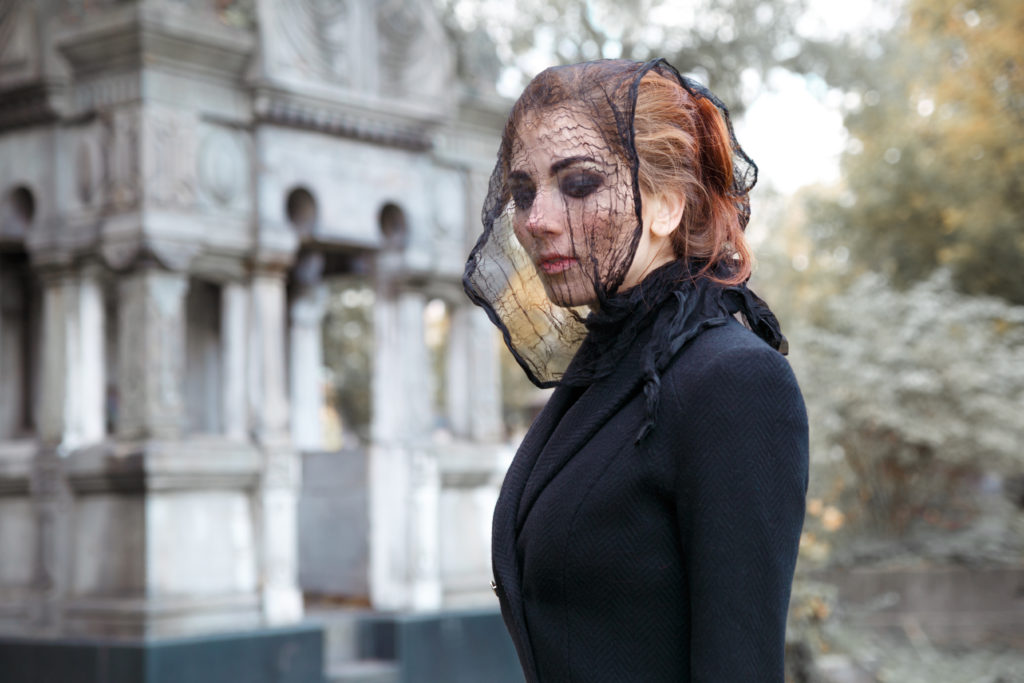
(302, 210)
(17, 212)
(394, 227)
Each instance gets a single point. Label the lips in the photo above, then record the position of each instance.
(555, 263)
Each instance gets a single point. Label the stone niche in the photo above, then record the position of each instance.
(19, 331)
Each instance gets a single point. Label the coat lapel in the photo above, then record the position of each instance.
(559, 432)
(503, 531)
(579, 424)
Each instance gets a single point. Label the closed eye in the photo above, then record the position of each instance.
(523, 192)
(579, 184)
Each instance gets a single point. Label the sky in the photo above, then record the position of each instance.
(794, 133)
(794, 130)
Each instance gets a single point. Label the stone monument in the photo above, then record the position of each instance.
(178, 180)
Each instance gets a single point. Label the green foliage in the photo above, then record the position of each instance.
(919, 392)
(935, 168)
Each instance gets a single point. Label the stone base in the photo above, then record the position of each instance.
(442, 647)
(334, 559)
(278, 655)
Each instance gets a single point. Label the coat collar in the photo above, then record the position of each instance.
(563, 427)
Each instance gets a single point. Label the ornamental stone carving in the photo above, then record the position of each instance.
(88, 169)
(411, 51)
(121, 163)
(317, 38)
(222, 166)
(399, 25)
(169, 155)
(17, 56)
(449, 205)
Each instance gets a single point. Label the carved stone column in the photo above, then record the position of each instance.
(277, 499)
(306, 315)
(55, 389)
(234, 334)
(151, 351)
(474, 376)
(91, 396)
(404, 474)
(71, 407)
(71, 416)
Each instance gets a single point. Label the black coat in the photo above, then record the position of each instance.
(667, 560)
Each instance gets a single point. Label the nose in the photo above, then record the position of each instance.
(543, 216)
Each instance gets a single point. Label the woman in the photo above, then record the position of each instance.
(647, 529)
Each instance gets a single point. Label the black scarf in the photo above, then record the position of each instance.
(675, 305)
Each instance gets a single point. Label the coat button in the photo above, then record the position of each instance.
(494, 587)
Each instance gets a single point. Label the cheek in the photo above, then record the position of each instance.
(520, 231)
(600, 228)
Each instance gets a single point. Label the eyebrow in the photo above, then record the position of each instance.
(569, 161)
(555, 167)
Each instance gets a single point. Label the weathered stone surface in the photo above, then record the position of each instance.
(161, 357)
(334, 555)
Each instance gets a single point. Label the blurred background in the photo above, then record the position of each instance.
(888, 223)
(241, 391)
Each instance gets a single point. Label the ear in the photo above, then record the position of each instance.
(663, 212)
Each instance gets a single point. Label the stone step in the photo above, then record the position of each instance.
(345, 636)
(444, 645)
(363, 671)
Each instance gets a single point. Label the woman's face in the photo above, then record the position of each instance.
(573, 207)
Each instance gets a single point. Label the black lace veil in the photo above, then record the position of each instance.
(563, 220)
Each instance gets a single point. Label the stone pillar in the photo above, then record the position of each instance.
(55, 388)
(234, 325)
(71, 416)
(151, 352)
(92, 382)
(404, 474)
(71, 405)
(277, 500)
(474, 376)
(306, 314)
(270, 409)
(52, 553)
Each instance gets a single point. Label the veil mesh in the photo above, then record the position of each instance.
(563, 219)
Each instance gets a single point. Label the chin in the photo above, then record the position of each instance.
(570, 294)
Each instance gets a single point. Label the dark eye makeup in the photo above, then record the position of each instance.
(523, 193)
(579, 184)
(575, 183)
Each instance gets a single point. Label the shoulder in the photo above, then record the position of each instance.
(732, 404)
(729, 387)
(728, 358)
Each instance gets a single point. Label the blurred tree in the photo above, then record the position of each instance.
(729, 46)
(919, 392)
(935, 165)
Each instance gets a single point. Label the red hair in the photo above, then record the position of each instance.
(683, 144)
